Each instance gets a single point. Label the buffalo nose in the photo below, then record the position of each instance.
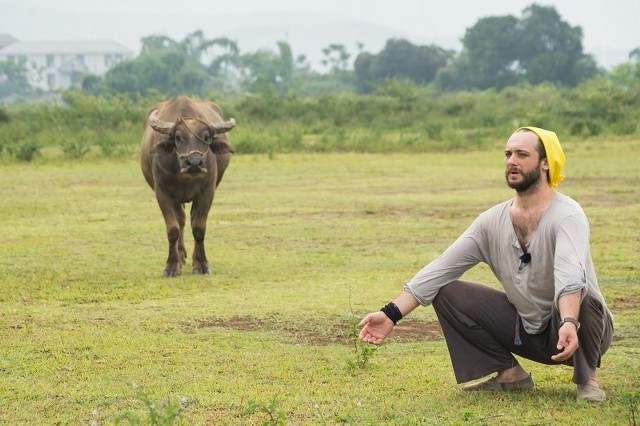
(193, 161)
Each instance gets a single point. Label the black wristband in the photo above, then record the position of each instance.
(392, 312)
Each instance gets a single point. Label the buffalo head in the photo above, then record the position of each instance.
(191, 138)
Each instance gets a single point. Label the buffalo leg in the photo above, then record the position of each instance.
(199, 214)
(182, 250)
(174, 219)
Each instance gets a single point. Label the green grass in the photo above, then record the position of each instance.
(90, 331)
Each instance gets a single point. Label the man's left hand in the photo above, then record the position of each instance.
(567, 342)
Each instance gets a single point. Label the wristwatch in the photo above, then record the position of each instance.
(571, 320)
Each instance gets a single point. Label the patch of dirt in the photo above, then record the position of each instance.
(415, 331)
(315, 333)
(624, 303)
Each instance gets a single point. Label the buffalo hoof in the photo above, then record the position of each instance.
(202, 271)
(169, 273)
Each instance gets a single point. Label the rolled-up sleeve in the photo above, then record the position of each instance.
(462, 255)
(571, 256)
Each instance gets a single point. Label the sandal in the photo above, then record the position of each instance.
(492, 385)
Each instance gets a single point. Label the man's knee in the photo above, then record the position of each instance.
(592, 303)
(468, 295)
(447, 295)
(596, 327)
(593, 312)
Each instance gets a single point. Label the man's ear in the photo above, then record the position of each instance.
(545, 164)
(545, 168)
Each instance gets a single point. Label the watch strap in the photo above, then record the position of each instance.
(571, 320)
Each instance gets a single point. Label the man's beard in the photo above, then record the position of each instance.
(530, 181)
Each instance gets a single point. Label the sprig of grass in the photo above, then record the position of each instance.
(632, 399)
(275, 414)
(362, 351)
(158, 413)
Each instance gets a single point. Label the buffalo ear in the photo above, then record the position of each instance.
(165, 145)
(219, 146)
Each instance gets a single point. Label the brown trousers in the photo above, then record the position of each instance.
(479, 326)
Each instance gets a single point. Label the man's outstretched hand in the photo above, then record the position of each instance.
(375, 328)
(567, 342)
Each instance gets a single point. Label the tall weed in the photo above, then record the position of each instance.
(158, 413)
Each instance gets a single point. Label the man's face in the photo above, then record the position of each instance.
(523, 169)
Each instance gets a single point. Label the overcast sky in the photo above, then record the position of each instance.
(610, 25)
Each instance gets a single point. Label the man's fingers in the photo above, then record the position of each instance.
(559, 357)
(365, 321)
(562, 343)
(565, 353)
(373, 340)
(364, 332)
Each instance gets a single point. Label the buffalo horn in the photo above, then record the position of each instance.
(159, 125)
(224, 126)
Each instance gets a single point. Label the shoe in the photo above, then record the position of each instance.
(591, 393)
(492, 385)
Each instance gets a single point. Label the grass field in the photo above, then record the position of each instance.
(300, 246)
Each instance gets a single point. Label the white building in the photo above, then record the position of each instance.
(53, 65)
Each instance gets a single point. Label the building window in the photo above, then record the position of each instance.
(80, 59)
(51, 81)
(108, 60)
(50, 60)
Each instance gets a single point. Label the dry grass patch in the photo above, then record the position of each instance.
(409, 330)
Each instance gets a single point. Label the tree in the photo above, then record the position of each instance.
(168, 71)
(336, 58)
(400, 59)
(227, 60)
(174, 67)
(551, 50)
(195, 45)
(196, 64)
(501, 51)
(93, 84)
(13, 79)
(403, 60)
(363, 68)
(157, 43)
(627, 76)
(490, 54)
(265, 71)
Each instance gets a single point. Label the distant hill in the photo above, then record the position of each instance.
(308, 34)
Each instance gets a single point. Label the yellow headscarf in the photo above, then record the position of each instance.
(555, 154)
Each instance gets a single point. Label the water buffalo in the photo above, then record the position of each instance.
(184, 153)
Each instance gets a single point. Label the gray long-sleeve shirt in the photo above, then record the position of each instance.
(560, 260)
